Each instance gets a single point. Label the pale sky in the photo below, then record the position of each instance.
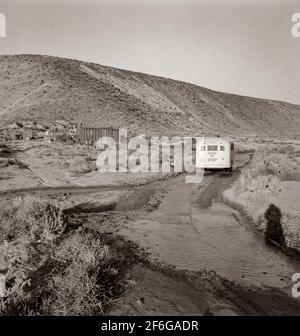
(243, 47)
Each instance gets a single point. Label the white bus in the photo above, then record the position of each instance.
(215, 153)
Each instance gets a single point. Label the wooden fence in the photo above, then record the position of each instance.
(92, 134)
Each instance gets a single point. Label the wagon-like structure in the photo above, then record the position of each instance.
(215, 153)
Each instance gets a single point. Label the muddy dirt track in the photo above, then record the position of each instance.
(192, 229)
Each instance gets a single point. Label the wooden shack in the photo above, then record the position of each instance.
(91, 134)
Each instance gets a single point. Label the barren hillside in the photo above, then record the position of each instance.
(48, 88)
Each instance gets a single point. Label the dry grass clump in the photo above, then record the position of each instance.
(82, 287)
(77, 274)
(9, 228)
(28, 227)
(81, 165)
(44, 218)
(31, 217)
(20, 259)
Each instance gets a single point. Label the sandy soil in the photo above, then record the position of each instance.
(151, 292)
(183, 226)
(36, 164)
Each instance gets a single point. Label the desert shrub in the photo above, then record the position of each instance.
(78, 274)
(15, 302)
(74, 292)
(10, 227)
(82, 288)
(80, 165)
(43, 217)
(16, 256)
(84, 247)
(31, 217)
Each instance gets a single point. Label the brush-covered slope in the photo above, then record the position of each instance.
(45, 89)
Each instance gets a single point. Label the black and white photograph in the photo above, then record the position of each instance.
(149, 161)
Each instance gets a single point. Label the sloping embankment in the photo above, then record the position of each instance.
(269, 191)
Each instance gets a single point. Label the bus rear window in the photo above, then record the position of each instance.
(212, 148)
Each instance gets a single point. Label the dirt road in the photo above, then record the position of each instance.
(192, 229)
